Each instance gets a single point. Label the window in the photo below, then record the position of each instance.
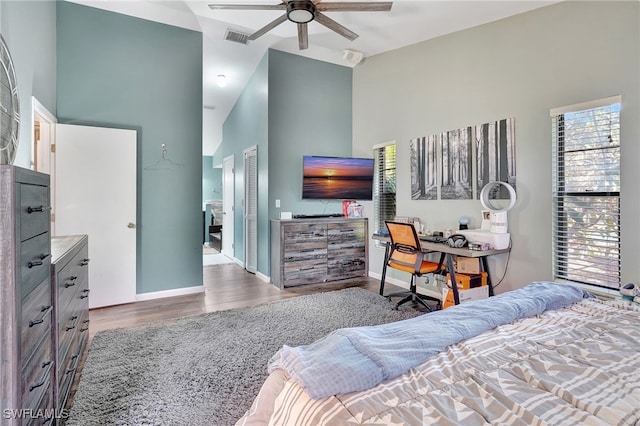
(384, 189)
(586, 193)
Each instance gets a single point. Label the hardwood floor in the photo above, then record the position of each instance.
(226, 286)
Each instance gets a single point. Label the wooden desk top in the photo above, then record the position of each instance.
(444, 248)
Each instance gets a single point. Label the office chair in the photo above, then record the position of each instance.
(406, 254)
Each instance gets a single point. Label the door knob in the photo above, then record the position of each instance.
(131, 225)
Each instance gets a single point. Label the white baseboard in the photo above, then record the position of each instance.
(263, 277)
(404, 284)
(390, 280)
(169, 293)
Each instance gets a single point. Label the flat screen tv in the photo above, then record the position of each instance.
(330, 178)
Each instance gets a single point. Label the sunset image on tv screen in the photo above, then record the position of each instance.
(337, 178)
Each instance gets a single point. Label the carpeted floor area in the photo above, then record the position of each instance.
(206, 370)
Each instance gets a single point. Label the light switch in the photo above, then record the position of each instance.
(277, 204)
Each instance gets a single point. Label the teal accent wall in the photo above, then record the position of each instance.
(293, 106)
(211, 189)
(310, 113)
(29, 29)
(211, 180)
(118, 71)
(246, 126)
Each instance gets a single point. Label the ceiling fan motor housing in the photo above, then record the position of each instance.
(301, 12)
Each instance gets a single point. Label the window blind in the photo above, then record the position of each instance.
(586, 194)
(384, 190)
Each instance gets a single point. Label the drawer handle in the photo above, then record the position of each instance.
(37, 209)
(71, 282)
(37, 385)
(46, 363)
(85, 261)
(75, 363)
(85, 328)
(86, 290)
(45, 310)
(73, 318)
(84, 296)
(71, 328)
(38, 261)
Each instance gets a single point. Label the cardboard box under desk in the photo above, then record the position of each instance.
(467, 281)
(468, 265)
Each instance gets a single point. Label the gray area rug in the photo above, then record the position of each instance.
(207, 369)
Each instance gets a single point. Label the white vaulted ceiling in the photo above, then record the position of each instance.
(407, 23)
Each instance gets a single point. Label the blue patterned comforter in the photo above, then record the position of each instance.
(355, 359)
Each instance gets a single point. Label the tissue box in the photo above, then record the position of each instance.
(468, 265)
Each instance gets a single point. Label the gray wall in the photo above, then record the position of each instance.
(29, 28)
(518, 67)
(293, 106)
(119, 71)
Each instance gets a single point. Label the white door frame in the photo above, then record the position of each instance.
(42, 150)
(250, 208)
(228, 197)
(97, 196)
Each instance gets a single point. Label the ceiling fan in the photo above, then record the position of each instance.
(302, 12)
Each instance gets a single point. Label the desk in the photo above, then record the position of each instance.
(446, 257)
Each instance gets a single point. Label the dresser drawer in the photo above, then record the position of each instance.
(36, 319)
(69, 364)
(35, 262)
(69, 323)
(34, 210)
(36, 372)
(72, 280)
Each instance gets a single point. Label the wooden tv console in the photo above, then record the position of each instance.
(317, 250)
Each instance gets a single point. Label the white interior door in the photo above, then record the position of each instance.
(96, 195)
(228, 188)
(251, 209)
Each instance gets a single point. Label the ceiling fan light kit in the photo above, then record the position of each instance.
(302, 12)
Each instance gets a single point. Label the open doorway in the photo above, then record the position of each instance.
(43, 145)
(228, 197)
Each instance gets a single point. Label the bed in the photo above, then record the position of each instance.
(547, 354)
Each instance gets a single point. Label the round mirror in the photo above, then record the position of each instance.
(9, 108)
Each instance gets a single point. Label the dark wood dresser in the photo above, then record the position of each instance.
(70, 285)
(26, 351)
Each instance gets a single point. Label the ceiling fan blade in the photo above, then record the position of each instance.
(354, 7)
(281, 6)
(334, 26)
(271, 25)
(303, 36)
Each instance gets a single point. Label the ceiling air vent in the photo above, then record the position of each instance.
(236, 36)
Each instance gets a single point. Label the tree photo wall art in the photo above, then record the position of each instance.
(457, 164)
